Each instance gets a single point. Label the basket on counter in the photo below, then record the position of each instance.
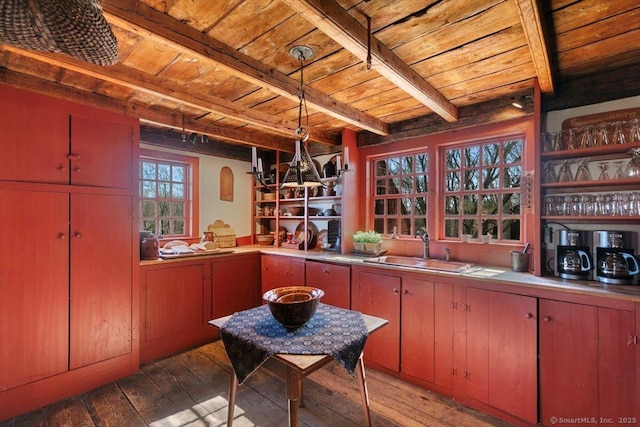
(225, 236)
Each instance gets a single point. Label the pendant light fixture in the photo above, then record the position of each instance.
(301, 172)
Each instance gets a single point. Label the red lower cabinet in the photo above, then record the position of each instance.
(333, 279)
(378, 294)
(588, 364)
(501, 366)
(417, 353)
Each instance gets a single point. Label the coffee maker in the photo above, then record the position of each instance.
(573, 257)
(616, 262)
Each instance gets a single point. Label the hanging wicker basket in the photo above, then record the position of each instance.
(75, 27)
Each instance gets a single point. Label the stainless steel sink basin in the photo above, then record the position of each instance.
(426, 264)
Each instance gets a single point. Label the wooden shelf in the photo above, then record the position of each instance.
(593, 184)
(608, 218)
(587, 152)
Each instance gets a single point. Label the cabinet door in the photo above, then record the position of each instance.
(34, 286)
(236, 284)
(379, 295)
(270, 272)
(35, 144)
(291, 271)
(101, 153)
(502, 351)
(617, 369)
(333, 279)
(418, 329)
(101, 277)
(173, 300)
(444, 366)
(568, 360)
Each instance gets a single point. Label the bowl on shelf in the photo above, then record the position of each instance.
(265, 239)
(293, 306)
(296, 210)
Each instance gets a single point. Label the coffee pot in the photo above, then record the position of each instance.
(619, 264)
(575, 261)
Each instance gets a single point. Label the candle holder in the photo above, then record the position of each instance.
(258, 175)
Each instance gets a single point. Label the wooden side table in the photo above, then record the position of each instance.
(299, 366)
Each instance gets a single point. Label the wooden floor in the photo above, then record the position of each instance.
(191, 389)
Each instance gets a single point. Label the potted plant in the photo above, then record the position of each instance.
(369, 241)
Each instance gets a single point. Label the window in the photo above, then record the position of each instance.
(482, 189)
(165, 196)
(400, 194)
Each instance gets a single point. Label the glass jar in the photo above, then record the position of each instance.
(633, 167)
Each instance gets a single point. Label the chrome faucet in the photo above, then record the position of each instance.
(425, 238)
(447, 254)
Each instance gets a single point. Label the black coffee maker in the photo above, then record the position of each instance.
(615, 259)
(573, 257)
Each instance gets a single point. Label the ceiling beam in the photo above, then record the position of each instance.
(534, 31)
(171, 120)
(135, 16)
(137, 80)
(333, 20)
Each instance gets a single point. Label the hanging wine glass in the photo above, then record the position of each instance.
(602, 137)
(571, 140)
(582, 173)
(633, 167)
(618, 134)
(604, 175)
(619, 171)
(634, 130)
(586, 140)
(564, 174)
(549, 173)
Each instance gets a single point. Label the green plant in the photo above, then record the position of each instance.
(367, 237)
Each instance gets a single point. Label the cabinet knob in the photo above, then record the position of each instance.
(76, 169)
(396, 291)
(77, 234)
(72, 156)
(326, 271)
(528, 316)
(547, 318)
(266, 269)
(62, 236)
(61, 168)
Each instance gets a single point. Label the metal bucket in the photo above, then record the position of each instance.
(519, 261)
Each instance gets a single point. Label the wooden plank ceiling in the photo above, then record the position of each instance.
(222, 68)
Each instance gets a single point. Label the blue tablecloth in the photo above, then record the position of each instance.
(250, 337)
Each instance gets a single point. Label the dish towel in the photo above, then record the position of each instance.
(252, 336)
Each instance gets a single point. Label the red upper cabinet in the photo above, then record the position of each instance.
(101, 153)
(55, 142)
(34, 143)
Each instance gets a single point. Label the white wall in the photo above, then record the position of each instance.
(237, 213)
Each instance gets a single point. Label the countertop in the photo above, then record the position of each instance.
(481, 273)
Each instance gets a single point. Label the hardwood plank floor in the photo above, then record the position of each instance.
(191, 389)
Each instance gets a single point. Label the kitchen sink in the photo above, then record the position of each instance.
(426, 264)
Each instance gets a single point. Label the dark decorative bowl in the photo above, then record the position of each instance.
(293, 306)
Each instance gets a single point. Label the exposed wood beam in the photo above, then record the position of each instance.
(534, 31)
(171, 120)
(331, 18)
(140, 18)
(156, 86)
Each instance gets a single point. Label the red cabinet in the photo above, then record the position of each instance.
(68, 285)
(34, 286)
(417, 337)
(236, 284)
(278, 271)
(588, 362)
(378, 294)
(53, 145)
(101, 274)
(502, 351)
(333, 279)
